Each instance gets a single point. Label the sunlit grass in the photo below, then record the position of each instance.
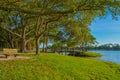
(58, 67)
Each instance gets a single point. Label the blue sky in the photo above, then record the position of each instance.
(106, 30)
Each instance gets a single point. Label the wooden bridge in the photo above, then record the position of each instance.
(64, 50)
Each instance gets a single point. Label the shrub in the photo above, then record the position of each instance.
(85, 54)
(91, 54)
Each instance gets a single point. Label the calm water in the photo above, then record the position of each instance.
(113, 56)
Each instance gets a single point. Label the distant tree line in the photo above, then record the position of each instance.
(105, 47)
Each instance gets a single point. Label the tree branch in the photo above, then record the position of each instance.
(29, 32)
(43, 30)
(53, 20)
(10, 31)
(52, 12)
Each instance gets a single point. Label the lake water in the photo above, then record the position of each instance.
(113, 56)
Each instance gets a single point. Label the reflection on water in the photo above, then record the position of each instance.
(113, 56)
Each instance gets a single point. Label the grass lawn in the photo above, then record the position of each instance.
(58, 67)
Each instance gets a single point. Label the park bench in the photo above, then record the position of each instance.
(9, 52)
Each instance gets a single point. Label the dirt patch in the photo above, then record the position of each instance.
(14, 58)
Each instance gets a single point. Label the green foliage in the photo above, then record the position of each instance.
(58, 67)
(36, 16)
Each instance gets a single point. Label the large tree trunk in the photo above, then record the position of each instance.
(12, 43)
(43, 49)
(23, 44)
(46, 43)
(82, 48)
(28, 46)
(10, 40)
(16, 44)
(37, 46)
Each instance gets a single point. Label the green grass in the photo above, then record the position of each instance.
(92, 54)
(58, 67)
